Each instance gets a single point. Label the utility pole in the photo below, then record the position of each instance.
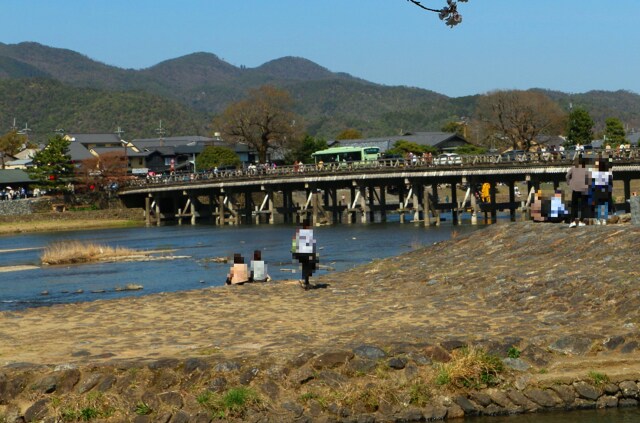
(119, 133)
(160, 131)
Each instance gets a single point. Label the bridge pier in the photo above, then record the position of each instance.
(454, 203)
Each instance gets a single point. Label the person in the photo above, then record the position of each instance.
(303, 249)
(239, 272)
(578, 181)
(258, 269)
(601, 189)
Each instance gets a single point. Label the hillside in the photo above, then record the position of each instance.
(201, 85)
(49, 105)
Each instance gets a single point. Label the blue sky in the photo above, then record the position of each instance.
(568, 45)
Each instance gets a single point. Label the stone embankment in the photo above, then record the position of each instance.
(514, 318)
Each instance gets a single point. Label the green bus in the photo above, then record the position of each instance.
(346, 155)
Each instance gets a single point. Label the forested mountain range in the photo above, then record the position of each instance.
(53, 88)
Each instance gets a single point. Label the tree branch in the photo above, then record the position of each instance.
(449, 13)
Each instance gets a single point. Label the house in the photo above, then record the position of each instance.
(443, 141)
(14, 178)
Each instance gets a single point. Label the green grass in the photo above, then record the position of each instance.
(513, 352)
(470, 368)
(598, 378)
(143, 409)
(233, 403)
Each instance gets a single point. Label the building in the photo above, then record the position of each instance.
(443, 141)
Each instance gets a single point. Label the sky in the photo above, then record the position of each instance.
(568, 45)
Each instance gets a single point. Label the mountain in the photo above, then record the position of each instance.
(195, 87)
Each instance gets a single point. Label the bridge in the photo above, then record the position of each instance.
(359, 192)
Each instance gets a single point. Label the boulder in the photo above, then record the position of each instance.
(369, 351)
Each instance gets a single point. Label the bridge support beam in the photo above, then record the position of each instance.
(454, 203)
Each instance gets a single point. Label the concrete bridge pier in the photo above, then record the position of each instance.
(512, 200)
(454, 202)
(364, 210)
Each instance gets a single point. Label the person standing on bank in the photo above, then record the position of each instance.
(303, 249)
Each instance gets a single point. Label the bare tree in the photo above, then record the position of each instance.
(449, 13)
(263, 121)
(517, 118)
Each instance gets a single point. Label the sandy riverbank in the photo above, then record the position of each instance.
(564, 299)
(70, 221)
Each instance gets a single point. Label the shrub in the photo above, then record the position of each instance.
(598, 378)
(70, 252)
(513, 352)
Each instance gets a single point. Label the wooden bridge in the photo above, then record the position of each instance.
(353, 193)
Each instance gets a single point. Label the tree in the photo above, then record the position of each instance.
(214, 156)
(103, 171)
(449, 13)
(10, 144)
(403, 147)
(614, 132)
(455, 127)
(470, 149)
(52, 167)
(579, 127)
(517, 118)
(264, 121)
(303, 151)
(349, 134)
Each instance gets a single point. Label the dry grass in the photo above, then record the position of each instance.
(470, 367)
(73, 252)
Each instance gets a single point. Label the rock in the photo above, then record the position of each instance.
(516, 364)
(522, 381)
(543, 397)
(302, 376)
(12, 386)
(613, 343)
(454, 411)
(480, 398)
(163, 418)
(411, 414)
(89, 383)
(37, 411)
(218, 384)
(361, 365)
(627, 402)
(165, 379)
(468, 406)
(499, 397)
(629, 347)
(369, 351)
(572, 344)
(270, 389)
(195, 364)
(566, 393)
(180, 417)
(173, 399)
(247, 376)
(397, 363)
(106, 383)
(419, 359)
(410, 372)
(294, 408)
(519, 399)
(536, 355)
(165, 363)
(607, 401)
(436, 353)
(332, 379)
(226, 367)
(47, 384)
(452, 344)
(142, 419)
(200, 418)
(494, 410)
(586, 391)
(584, 404)
(611, 389)
(301, 359)
(437, 412)
(332, 359)
(629, 389)
(68, 379)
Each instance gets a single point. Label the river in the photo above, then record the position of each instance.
(340, 247)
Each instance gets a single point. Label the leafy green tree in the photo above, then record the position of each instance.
(52, 167)
(349, 134)
(455, 127)
(264, 121)
(471, 149)
(403, 147)
(303, 151)
(216, 157)
(614, 132)
(579, 127)
(10, 144)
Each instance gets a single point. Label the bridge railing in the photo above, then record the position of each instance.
(506, 159)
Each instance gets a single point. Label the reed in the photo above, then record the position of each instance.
(73, 252)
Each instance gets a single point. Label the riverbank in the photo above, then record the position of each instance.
(70, 221)
(557, 306)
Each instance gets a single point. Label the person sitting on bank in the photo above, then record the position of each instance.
(239, 272)
(258, 268)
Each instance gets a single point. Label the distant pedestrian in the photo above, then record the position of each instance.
(303, 249)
